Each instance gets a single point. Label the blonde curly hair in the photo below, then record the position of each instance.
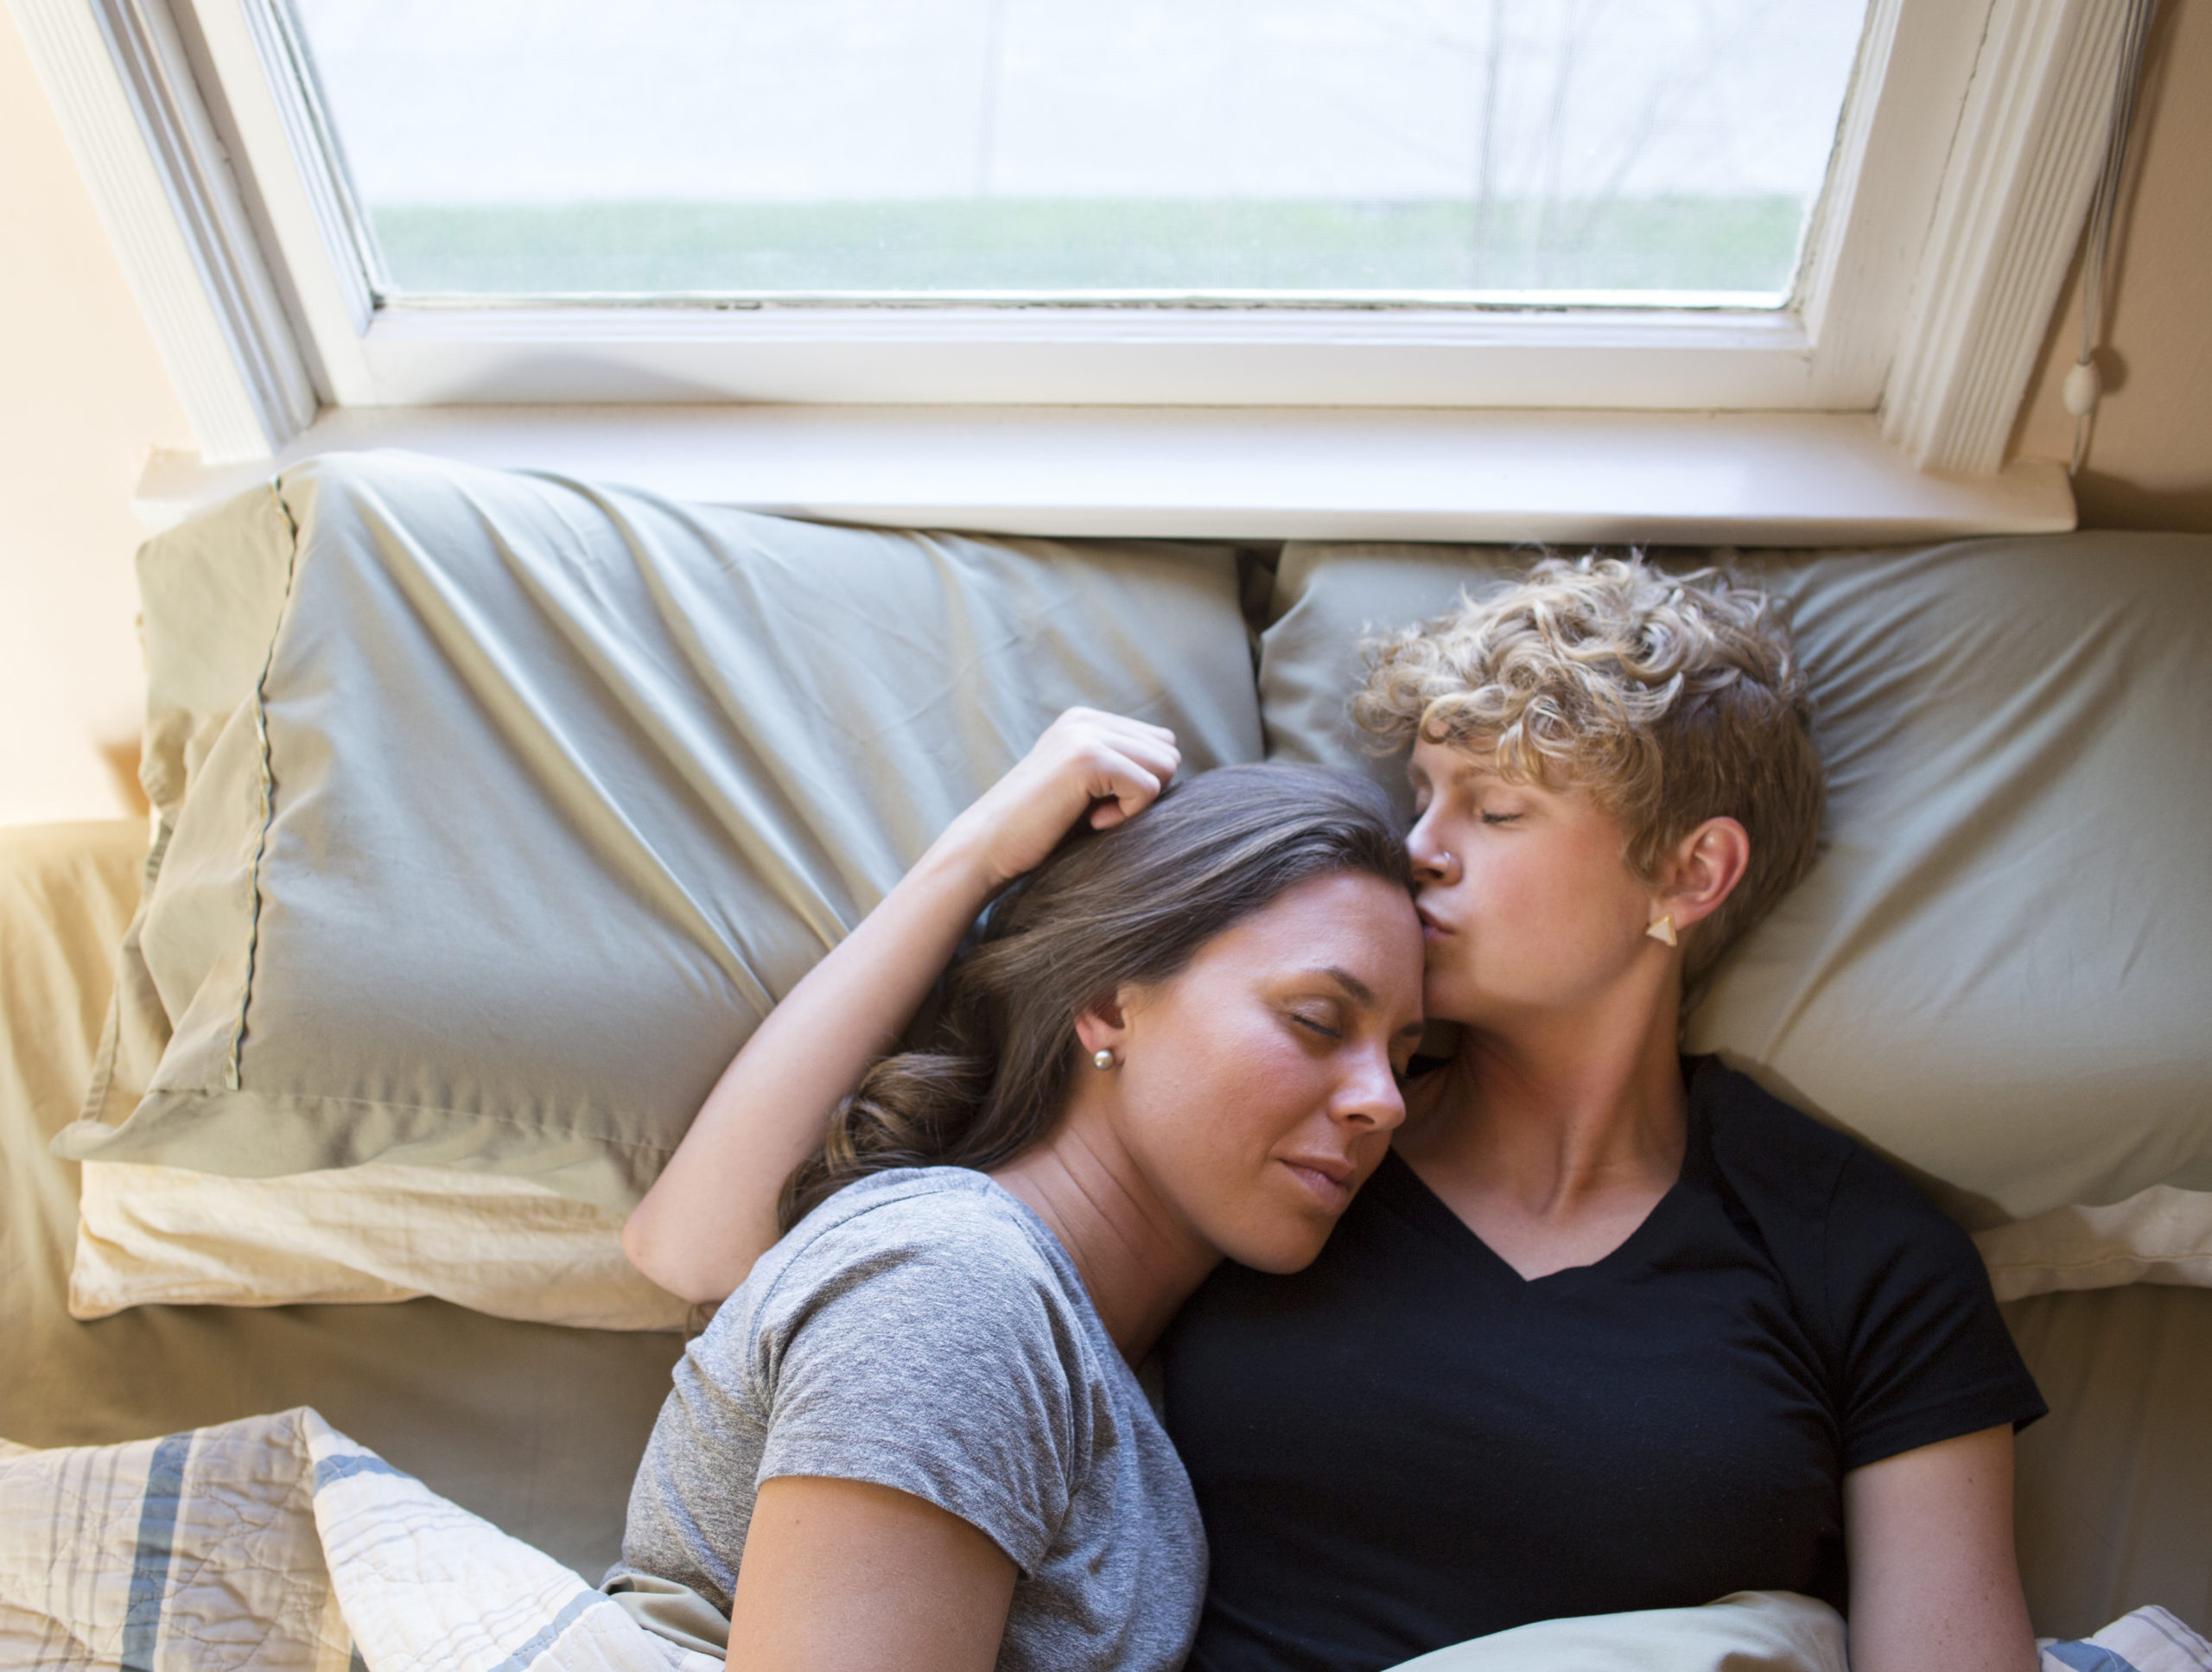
(1673, 699)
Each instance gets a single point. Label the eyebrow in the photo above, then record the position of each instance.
(1344, 978)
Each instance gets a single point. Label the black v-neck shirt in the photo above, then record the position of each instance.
(1408, 1444)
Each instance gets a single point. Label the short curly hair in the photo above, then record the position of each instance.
(1672, 698)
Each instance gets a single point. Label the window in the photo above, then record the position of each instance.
(1858, 207)
(1397, 151)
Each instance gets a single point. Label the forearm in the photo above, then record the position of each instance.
(712, 1213)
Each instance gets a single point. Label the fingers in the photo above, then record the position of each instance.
(1100, 747)
(1080, 716)
(1117, 784)
(1088, 767)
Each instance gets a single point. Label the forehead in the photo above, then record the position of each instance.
(1350, 920)
(1451, 763)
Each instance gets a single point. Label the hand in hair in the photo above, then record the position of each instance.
(712, 1213)
(1087, 765)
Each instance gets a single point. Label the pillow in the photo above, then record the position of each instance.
(149, 1234)
(547, 791)
(1774, 1631)
(164, 1236)
(1999, 972)
(2158, 1236)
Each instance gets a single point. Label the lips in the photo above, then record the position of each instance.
(1328, 1179)
(1430, 927)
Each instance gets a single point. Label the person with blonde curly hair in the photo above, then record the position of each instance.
(1611, 1329)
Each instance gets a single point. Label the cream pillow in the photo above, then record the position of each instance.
(163, 1236)
(2159, 1236)
(145, 1234)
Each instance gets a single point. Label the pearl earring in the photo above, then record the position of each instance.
(1102, 1059)
(1663, 930)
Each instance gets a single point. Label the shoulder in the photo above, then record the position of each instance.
(1777, 1153)
(939, 1249)
(940, 1211)
(1755, 1132)
(1891, 1288)
(1848, 1230)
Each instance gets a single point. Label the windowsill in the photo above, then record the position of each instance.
(1402, 473)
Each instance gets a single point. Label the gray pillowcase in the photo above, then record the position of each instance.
(549, 791)
(1999, 971)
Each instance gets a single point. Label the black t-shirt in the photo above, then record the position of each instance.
(1408, 1443)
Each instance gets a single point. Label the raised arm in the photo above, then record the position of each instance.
(712, 1213)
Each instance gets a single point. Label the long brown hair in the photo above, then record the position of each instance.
(1128, 906)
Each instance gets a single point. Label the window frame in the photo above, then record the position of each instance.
(1960, 180)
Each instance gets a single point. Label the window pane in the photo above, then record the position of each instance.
(1408, 147)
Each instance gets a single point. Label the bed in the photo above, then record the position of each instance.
(535, 1420)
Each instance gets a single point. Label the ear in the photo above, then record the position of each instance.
(1703, 870)
(1103, 1025)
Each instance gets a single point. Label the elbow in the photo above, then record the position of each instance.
(666, 1266)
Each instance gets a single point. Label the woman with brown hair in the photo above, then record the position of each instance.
(912, 1436)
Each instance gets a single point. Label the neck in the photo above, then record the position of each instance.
(1137, 1257)
(1558, 1107)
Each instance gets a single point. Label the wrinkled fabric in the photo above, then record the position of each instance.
(547, 791)
(150, 1236)
(277, 1544)
(2156, 1236)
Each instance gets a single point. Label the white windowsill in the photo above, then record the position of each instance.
(1666, 477)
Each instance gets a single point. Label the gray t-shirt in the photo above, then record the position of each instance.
(923, 1330)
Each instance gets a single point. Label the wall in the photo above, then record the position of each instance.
(2149, 460)
(83, 399)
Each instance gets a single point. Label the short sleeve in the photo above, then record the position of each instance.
(1925, 1354)
(934, 1352)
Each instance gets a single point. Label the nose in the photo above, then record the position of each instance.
(1432, 864)
(1369, 1099)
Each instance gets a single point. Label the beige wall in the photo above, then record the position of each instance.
(83, 397)
(2150, 462)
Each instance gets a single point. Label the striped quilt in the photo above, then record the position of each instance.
(276, 1544)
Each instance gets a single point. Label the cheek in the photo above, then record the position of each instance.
(1213, 1100)
(1550, 908)
(1523, 899)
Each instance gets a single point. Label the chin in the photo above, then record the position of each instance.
(1280, 1251)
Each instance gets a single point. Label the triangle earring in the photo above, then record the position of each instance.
(1663, 930)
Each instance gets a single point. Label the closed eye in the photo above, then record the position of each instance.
(1500, 818)
(1308, 1022)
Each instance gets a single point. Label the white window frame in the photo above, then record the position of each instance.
(1967, 150)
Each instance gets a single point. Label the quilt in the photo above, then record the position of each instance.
(277, 1544)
